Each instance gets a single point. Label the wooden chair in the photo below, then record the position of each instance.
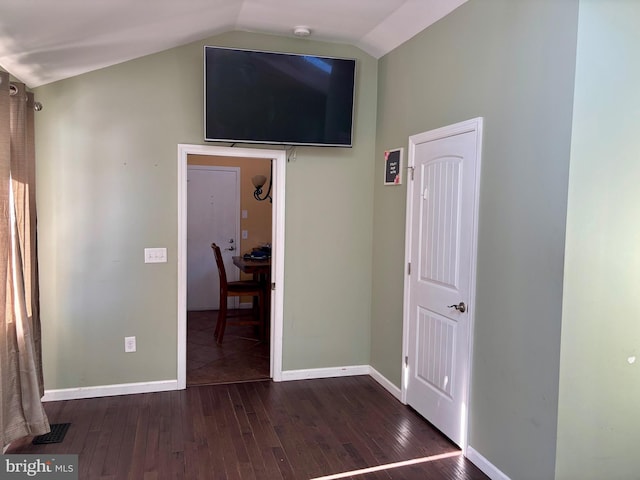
(236, 289)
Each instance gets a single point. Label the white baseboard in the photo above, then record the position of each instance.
(488, 468)
(109, 390)
(382, 380)
(329, 372)
(168, 385)
(311, 373)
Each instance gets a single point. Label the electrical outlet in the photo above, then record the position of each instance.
(129, 344)
(245, 234)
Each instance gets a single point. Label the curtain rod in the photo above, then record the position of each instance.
(13, 90)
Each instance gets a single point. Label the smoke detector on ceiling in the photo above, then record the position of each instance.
(301, 31)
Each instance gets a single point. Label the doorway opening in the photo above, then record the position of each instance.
(247, 230)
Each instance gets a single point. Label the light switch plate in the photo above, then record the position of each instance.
(129, 344)
(155, 255)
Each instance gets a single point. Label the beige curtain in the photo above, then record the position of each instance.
(21, 384)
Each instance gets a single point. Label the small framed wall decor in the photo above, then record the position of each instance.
(393, 166)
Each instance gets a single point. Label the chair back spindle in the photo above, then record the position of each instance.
(222, 273)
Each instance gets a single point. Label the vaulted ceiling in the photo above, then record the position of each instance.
(41, 42)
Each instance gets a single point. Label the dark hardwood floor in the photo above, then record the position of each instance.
(258, 430)
(240, 358)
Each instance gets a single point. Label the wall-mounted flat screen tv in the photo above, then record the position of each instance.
(276, 98)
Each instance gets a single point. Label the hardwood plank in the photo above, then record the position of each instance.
(151, 454)
(140, 438)
(228, 441)
(286, 469)
(178, 431)
(97, 459)
(214, 437)
(110, 465)
(197, 455)
(241, 458)
(262, 429)
(127, 446)
(244, 419)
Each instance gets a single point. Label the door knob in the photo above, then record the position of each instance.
(461, 307)
(231, 248)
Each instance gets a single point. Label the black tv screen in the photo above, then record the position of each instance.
(277, 98)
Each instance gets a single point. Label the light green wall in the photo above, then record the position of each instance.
(598, 421)
(107, 188)
(513, 64)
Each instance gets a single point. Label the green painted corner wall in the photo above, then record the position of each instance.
(513, 64)
(598, 420)
(107, 188)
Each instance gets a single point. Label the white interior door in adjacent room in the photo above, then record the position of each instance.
(442, 215)
(213, 216)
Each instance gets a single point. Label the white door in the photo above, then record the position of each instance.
(213, 216)
(442, 231)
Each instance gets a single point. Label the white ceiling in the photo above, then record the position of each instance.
(45, 41)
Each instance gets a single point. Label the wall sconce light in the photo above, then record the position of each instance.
(258, 182)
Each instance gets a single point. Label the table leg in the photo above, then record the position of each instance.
(265, 280)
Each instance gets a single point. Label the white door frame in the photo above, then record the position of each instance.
(439, 133)
(277, 270)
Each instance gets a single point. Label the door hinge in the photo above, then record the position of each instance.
(273, 285)
(409, 268)
(411, 169)
(406, 360)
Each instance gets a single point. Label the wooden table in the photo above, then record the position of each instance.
(261, 271)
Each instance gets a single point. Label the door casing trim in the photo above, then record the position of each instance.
(279, 163)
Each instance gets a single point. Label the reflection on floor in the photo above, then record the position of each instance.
(240, 358)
